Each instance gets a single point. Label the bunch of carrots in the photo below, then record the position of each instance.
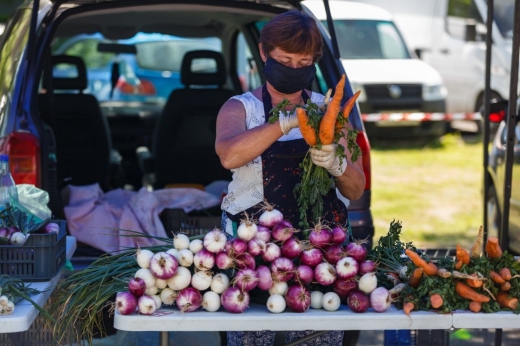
(473, 281)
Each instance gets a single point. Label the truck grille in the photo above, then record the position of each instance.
(382, 91)
(380, 98)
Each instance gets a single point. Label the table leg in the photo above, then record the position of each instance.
(498, 337)
(164, 339)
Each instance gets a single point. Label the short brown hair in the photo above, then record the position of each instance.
(292, 32)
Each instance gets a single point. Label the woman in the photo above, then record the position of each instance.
(265, 157)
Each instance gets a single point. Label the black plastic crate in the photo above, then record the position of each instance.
(40, 258)
(195, 223)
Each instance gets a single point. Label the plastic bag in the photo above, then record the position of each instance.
(35, 200)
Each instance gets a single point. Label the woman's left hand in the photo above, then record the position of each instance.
(326, 158)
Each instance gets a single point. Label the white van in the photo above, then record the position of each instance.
(450, 36)
(400, 93)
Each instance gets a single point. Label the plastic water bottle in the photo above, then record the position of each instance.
(8, 192)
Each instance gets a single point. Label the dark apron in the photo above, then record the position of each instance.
(280, 174)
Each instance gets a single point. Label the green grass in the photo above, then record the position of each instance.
(435, 190)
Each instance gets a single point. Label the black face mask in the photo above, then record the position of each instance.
(288, 80)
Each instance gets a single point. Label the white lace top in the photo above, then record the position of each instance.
(246, 189)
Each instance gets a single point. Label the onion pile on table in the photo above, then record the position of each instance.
(321, 272)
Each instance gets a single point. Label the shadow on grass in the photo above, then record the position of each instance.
(411, 144)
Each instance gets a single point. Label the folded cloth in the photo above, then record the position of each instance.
(102, 219)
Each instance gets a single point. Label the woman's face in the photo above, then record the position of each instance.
(293, 60)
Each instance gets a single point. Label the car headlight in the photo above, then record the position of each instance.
(434, 92)
(356, 87)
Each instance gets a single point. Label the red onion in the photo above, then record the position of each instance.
(320, 236)
(245, 260)
(311, 257)
(291, 248)
(247, 228)
(358, 301)
(215, 241)
(234, 300)
(236, 246)
(366, 267)
(270, 216)
(282, 231)
(223, 261)
(263, 233)
(325, 274)
(380, 299)
(136, 286)
(298, 298)
(282, 269)
(246, 279)
(51, 227)
(333, 253)
(163, 265)
(189, 299)
(146, 305)
(265, 281)
(357, 251)
(256, 247)
(204, 260)
(344, 286)
(304, 274)
(347, 267)
(339, 235)
(126, 303)
(272, 252)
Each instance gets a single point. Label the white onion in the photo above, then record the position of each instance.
(368, 282)
(180, 280)
(215, 241)
(4, 300)
(330, 301)
(181, 241)
(158, 301)
(316, 299)
(146, 305)
(147, 276)
(211, 301)
(247, 229)
(276, 303)
(8, 308)
(168, 296)
(143, 257)
(195, 245)
(380, 299)
(17, 238)
(219, 283)
(279, 288)
(161, 283)
(201, 280)
(163, 265)
(185, 258)
(126, 303)
(174, 253)
(151, 291)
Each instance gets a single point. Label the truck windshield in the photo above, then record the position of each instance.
(369, 39)
(504, 12)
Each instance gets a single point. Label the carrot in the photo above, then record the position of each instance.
(474, 282)
(468, 293)
(505, 301)
(306, 129)
(493, 249)
(430, 269)
(506, 286)
(505, 273)
(477, 245)
(436, 300)
(347, 107)
(408, 307)
(496, 278)
(475, 306)
(458, 265)
(328, 121)
(462, 255)
(415, 278)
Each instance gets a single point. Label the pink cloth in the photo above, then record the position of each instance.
(100, 220)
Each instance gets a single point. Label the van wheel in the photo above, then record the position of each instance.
(493, 213)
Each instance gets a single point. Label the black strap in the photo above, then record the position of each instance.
(49, 89)
(266, 98)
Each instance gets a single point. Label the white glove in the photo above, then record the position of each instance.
(288, 121)
(326, 158)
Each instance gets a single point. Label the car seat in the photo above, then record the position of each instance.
(184, 142)
(84, 149)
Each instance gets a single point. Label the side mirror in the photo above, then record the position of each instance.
(471, 31)
(418, 52)
(497, 110)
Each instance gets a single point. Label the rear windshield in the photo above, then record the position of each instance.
(369, 39)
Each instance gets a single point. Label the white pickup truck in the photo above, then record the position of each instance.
(402, 97)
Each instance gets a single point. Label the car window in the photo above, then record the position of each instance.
(247, 71)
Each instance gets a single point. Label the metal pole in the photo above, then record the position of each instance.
(164, 338)
(511, 123)
(487, 97)
(332, 32)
